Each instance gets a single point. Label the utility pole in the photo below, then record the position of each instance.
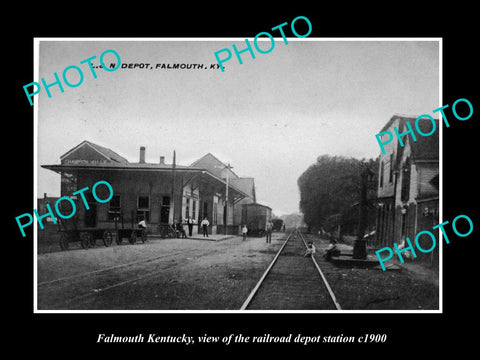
(360, 247)
(172, 200)
(228, 167)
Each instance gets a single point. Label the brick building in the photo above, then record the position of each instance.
(408, 185)
(159, 192)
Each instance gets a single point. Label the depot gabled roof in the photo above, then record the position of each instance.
(214, 165)
(113, 161)
(107, 153)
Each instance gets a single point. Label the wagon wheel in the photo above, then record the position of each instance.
(144, 235)
(92, 240)
(107, 238)
(133, 237)
(162, 233)
(85, 240)
(63, 241)
(118, 238)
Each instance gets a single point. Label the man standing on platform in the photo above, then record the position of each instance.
(190, 225)
(205, 223)
(269, 231)
(244, 232)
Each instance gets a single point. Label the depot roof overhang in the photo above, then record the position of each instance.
(147, 168)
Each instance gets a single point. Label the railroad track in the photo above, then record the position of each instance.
(292, 282)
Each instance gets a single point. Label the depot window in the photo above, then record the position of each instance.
(382, 170)
(165, 210)
(187, 208)
(194, 210)
(215, 210)
(390, 176)
(143, 208)
(114, 208)
(405, 190)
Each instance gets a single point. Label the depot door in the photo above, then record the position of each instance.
(165, 210)
(91, 214)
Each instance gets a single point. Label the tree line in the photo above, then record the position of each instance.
(330, 192)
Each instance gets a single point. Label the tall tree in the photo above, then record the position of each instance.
(330, 186)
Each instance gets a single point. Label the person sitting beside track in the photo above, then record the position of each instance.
(332, 250)
(310, 249)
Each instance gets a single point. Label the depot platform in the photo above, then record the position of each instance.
(215, 237)
(211, 237)
(346, 259)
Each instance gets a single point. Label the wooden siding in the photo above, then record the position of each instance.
(427, 171)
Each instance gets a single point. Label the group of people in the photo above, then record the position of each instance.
(332, 249)
(205, 224)
(179, 229)
(190, 222)
(268, 231)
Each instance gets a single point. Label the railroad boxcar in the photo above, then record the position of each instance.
(255, 216)
(277, 224)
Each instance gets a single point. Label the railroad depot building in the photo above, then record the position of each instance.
(408, 186)
(158, 192)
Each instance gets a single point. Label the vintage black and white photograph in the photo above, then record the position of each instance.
(294, 180)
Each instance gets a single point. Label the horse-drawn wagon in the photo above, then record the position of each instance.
(131, 233)
(71, 232)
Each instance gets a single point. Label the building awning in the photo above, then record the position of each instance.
(146, 167)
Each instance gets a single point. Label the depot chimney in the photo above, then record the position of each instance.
(142, 155)
(162, 160)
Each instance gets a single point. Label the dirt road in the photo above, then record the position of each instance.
(185, 274)
(159, 275)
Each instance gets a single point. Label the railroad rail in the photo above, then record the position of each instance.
(292, 282)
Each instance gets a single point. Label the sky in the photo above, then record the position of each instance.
(270, 117)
